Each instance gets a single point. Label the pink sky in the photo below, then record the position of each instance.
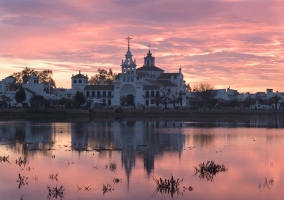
(236, 43)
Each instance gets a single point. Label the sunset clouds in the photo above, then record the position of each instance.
(224, 42)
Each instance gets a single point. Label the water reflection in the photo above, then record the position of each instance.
(93, 157)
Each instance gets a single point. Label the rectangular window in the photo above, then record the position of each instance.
(132, 79)
(124, 79)
(128, 79)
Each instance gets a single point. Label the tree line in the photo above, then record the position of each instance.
(206, 98)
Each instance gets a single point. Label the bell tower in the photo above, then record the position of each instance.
(128, 66)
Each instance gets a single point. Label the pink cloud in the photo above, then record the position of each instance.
(227, 38)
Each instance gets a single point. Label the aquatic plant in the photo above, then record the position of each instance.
(21, 161)
(53, 177)
(267, 183)
(167, 186)
(4, 159)
(117, 180)
(22, 181)
(107, 188)
(55, 192)
(87, 188)
(208, 170)
(112, 166)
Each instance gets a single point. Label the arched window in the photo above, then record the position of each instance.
(148, 63)
(88, 94)
(98, 94)
(157, 93)
(75, 81)
(128, 61)
(147, 93)
(109, 94)
(104, 93)
(152, 93)
(80, 81)
(93, 94)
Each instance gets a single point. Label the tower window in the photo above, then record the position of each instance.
(75, 81)
(148, 63)
(80, 81)
(128, 61)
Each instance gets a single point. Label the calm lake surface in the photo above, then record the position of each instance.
(44, 160)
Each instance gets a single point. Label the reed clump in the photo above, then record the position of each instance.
(208, 170)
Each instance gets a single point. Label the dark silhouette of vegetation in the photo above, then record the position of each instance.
(168, 186)
(79, 98)
(107, 188)
(45, 76)
(275, 100)
(21, 161)
(208, 170)
(22, 181)
(55, 192)
(267, 183)
(188, 88)
(248, 102)
(36, 99)
(204, 92)
(4, 159)
(108, 77)
(20, 95)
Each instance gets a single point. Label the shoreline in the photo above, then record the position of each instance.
(133, 114)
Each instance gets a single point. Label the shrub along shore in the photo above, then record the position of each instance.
(132, 114)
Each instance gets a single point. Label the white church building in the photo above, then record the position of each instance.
(147, 85)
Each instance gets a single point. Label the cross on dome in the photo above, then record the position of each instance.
(128, 38)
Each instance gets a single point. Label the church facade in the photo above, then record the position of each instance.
(144, 86)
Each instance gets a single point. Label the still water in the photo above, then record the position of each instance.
(122, 159)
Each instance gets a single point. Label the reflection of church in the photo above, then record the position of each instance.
(136, 86)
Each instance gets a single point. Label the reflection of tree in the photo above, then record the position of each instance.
(208, 170)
